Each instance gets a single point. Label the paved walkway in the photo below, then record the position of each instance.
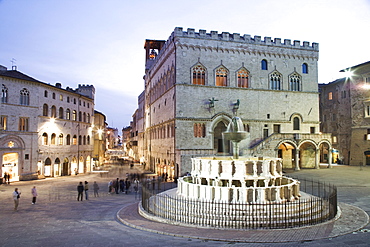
(58, 219)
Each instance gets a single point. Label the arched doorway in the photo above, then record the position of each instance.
(81, 165)
(57, 167)
(307, 155)
(324, 153)
(287, 152)
(65, 167)
(220, 145)
(10, 166)
(47, 168)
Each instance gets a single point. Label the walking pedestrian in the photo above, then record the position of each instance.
(80, 190)
(16, 196)
(116, 186)
(87, 190)
(34, 194)
(96, 189)
(110, 186)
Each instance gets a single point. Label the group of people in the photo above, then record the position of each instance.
(6, 178)
(123, 185)
(81, 188)
(17, 195)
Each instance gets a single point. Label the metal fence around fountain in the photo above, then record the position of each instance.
(319, 207)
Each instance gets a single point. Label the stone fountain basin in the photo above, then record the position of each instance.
(236, 136)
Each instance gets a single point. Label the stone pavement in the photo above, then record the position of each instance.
(58, 219)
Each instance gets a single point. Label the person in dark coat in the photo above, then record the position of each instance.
(80, 190)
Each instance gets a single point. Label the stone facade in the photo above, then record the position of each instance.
(345, 112)
(45, 129)
(195, 82)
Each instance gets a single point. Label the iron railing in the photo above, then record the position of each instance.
(317, 204)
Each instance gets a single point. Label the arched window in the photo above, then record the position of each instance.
(88, 140)
(45, 139)
(24, 97)
(221, 77)
(199, 75)
(275, 81)
(45, 94)
(68, 114)
(53, 137)
(264, 64)
(74, 140)
(296, 123)
(80, 116)
(304, 68)
(88, 117)
(68, 140)
(61, 112)
(60, 139)
(84, 140)
(74, 115)
(53, 111)
(45, 110)
(84, 117)
(53, 95)
(243, 78)
(79, 140)
(4, 94)
(295, 82)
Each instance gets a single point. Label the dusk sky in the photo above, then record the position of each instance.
(101, 43)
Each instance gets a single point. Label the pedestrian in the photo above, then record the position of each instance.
(116, 186)
(127, 185)
(122, 185)
(80, 190)
(86, 190)
(96, 189)
(34, 194)
(110, 186)
(16, 196)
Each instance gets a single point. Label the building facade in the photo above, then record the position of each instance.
(345, 112)
(45, 129)
(99, 134)
(195, 82)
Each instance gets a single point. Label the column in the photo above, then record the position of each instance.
(317, 158)
(296, 160)
(330, 158)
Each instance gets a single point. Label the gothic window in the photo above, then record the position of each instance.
(68, 140)
(74, 140)
(295, 82)
(61, 112)
(199, 75)
(264, 64)
(221, 77)
(4, 94)
(304, 68)
(45, 139)
(53, 111)
(23, 124)
(275, 81)
(68, 114)
(60, 139)
(53, 137)
(45, 110)
(3, 122)
(88, 140)
(296, 123)
(243, 78)
(24, 97)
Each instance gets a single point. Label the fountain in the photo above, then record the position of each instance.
(234, 179)
(238, 192)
